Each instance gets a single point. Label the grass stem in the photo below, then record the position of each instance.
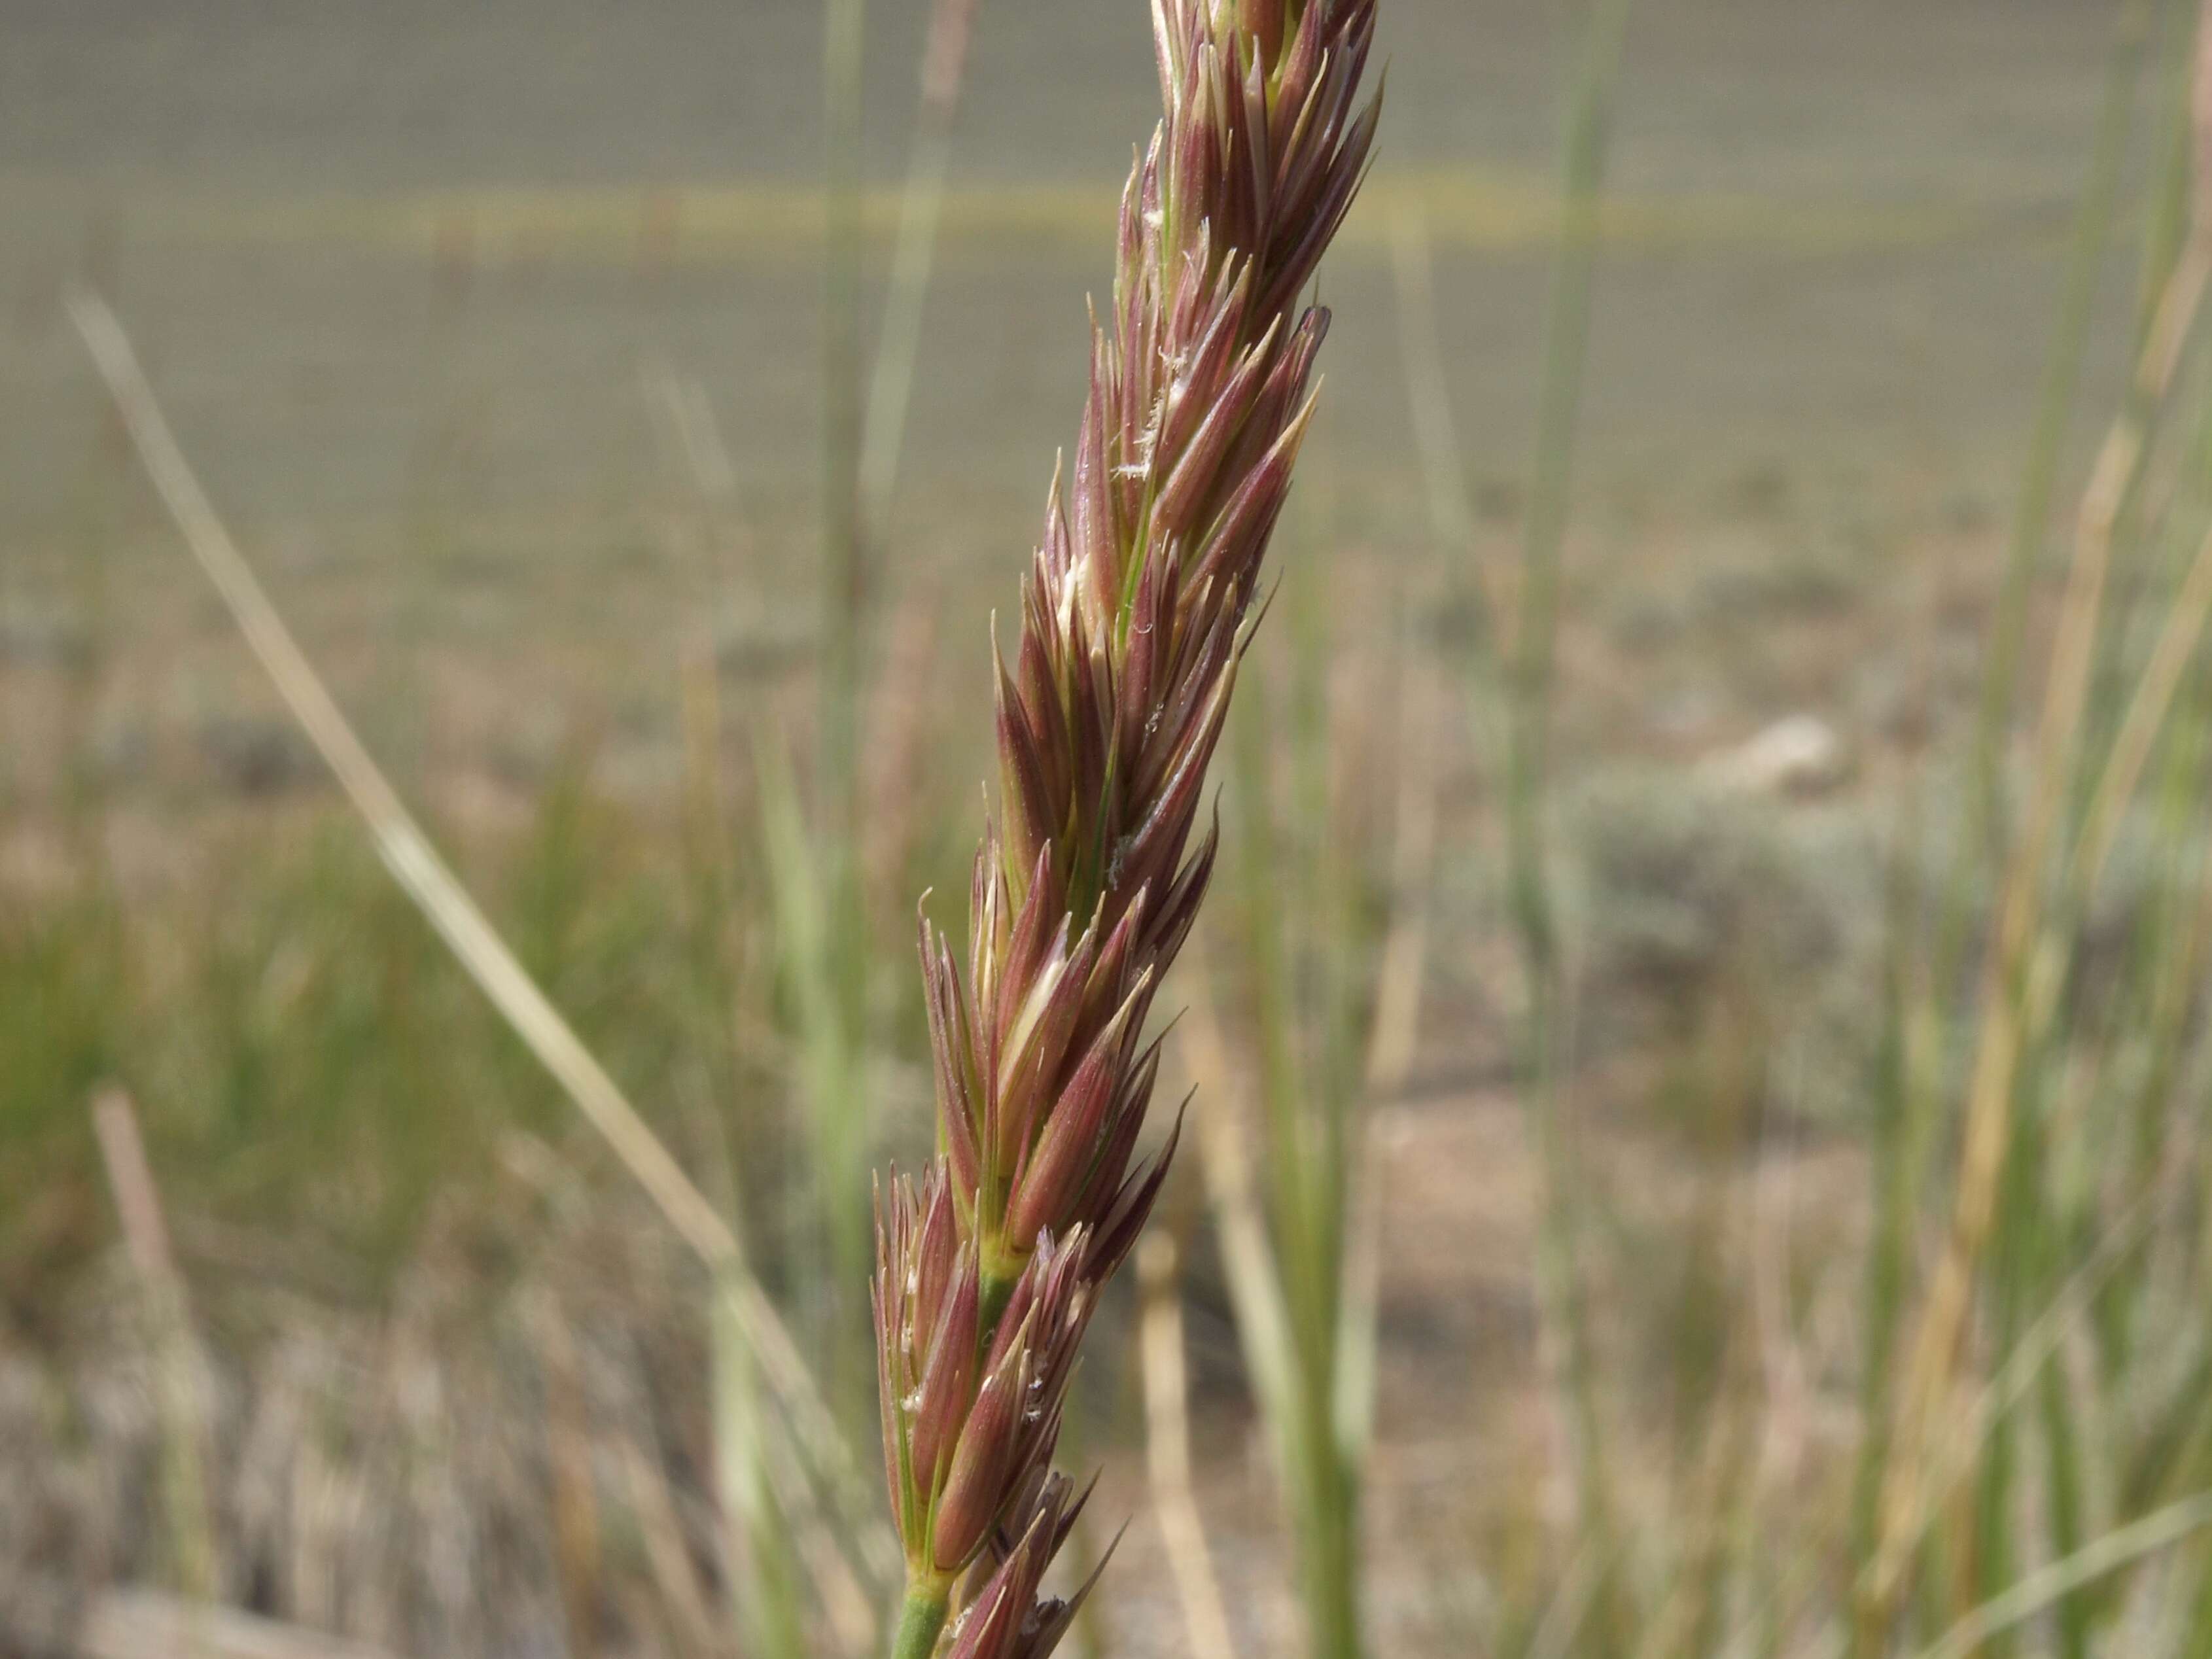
(914, 252)
(188, 1521)
(920, 1619)
(1167, 1448)
(1529, 673)
(844, 574)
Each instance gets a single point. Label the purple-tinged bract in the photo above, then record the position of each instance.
(1136, 611)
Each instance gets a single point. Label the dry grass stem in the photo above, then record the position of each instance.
(1226, 1160)
(1167, 1448)
(2131, 745)
(1404, 963)
(1991, 1088)
(1966, 1433)
(2161, 1530)
(675, 1574)
(574, 1498)
(1394, 1031)
(431, 883)
(179, 1373)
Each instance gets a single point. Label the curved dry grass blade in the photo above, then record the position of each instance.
(438, 893)
(2121, 1547)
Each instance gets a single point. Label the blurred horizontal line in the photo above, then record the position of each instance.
(1467, 208)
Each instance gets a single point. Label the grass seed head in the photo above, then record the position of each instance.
(1136, 611)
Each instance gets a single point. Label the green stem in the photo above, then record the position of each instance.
(999, 1280)
(1529, 685)
(919, 1622)
(844, 572)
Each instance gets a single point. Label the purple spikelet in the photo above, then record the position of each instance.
(1135, 613)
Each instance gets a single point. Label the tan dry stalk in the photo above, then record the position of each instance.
(2191, 607)
(1138, 610)
(2007, 987)
(1403, 969)
(1167, 1447)
(573, 1495)
(2005, 1025)
(179, 1373)
(675, 1575)
(1227, 1160)
(1394, 1030)
(1968, 1431)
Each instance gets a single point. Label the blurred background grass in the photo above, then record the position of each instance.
(1588, 1024)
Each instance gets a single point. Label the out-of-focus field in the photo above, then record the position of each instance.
(493, 331)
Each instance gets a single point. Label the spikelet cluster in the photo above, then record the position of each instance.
(1135, 613)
